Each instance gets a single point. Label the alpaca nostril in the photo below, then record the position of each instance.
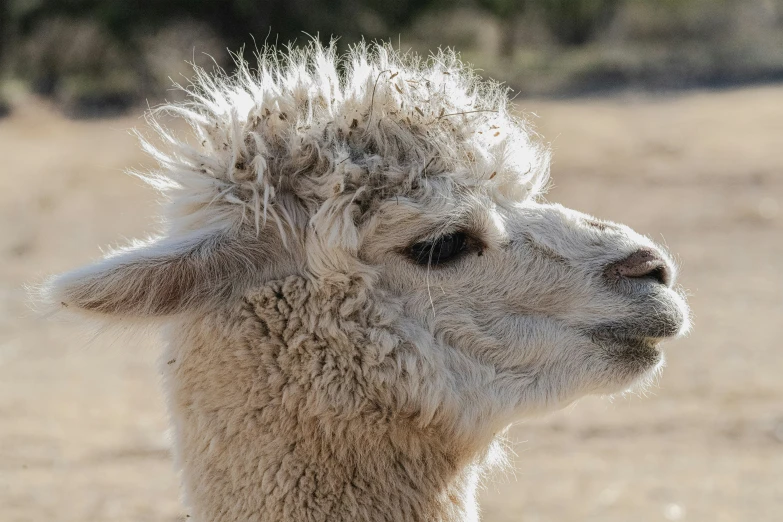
(644, 263)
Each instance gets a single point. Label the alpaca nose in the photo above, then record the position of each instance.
(645, 263)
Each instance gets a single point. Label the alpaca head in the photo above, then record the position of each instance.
(413, 182)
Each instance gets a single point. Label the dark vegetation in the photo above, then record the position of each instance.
(100, 57)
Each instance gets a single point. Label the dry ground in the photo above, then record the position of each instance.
(83, 429)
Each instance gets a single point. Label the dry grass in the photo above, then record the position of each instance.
(82, 424)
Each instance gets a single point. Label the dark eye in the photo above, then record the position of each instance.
(440, 250)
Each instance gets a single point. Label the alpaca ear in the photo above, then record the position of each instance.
(165, 276)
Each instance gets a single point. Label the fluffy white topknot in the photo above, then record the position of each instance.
(309, 127)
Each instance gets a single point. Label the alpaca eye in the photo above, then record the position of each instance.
(439, 250)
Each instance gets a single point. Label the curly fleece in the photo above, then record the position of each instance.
(311, 411)
(319, 126)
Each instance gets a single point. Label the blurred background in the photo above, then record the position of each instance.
(665, 115)
(94, 57)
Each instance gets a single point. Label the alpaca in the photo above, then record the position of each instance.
(361, 288)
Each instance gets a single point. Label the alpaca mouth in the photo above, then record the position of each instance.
(630, 356)
(653, 317)
(614, 341)
(654, 321)
(638, 333)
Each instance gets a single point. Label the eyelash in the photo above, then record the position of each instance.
(438, 251)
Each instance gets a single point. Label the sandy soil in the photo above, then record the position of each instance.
(82, 424)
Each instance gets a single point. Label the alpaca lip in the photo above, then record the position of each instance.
(654, 316)
(648, 331)
(617, 338)
(634, 334)
(644, 351)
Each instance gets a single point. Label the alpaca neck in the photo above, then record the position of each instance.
(296, 469)
(258, 441)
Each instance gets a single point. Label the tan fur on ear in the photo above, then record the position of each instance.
(164, 276)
